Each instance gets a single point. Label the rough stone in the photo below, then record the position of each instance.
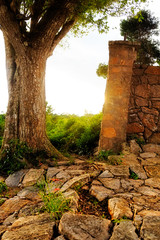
(151, 161)
(32, 177)
(147, 133)
(135, 128)
(2, 229)
(106, 174)
(151, 148)
(152, 171)
(153, 182)
(149, 122)
(142, 91)
(119, 171)
(134, 147)
(100, 192)
(150, 228)
(15, 179)
(63, 175)
(118, 208)
(11, 219)
(130, 184)
(148, 191)
(54, 186)
(155, 90)
(10, 206)
(150, 111)
(111, 183)
(31, 193)
(83, 179)
(141, 102)
(138, 221)
(148, 155)
(124, 230)
(60, 238)
(144, 213)
(86, 227)
(74, 197)
(31, 228)
(51, 172)
(155, 138)
(139, 171)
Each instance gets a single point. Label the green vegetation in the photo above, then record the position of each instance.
(74, 134)
(102, 70)
(133, 175)
(54, 202)
(141, 28)
(3, 187)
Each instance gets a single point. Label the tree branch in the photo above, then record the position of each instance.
(10, 26)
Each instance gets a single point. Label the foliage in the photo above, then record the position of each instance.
(54, 202)
(73, 133)
(133, 175)
(3, 187)
(138, 139)
(142, 27)
(102, 70)
(103, 154)
(2, 124)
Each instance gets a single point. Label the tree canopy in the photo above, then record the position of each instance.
(142, 27)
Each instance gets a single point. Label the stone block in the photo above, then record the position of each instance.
(149, 122)
(155, 91)
(151, 148)
(101, 192)
(142, 91)
(155, 138)
(135, 128)
(150, 228)
(140, 102)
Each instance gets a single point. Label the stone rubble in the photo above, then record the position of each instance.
(133, 204)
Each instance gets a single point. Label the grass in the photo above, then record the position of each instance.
(3, 187)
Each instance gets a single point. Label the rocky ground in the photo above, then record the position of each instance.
(115, 202)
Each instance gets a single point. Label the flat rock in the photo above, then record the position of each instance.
(129, 184)
(118, 208)
(148, 191)
(139, 171)
(130, 159)
(63, 175)
(150, 229)
(153, 182)
(106, 174)
(100, 192)
(31, 228)
(152, 171)
(31, 193)
(151, 148)
(82, 180)
(15, 179)
(54, 186)
(51, 172)
(144, 213)
(74, 197)
(32, 177)
(10, 206)
(151, 161)
(86, 227)
(124, 230)
(119, 171)
(148, 155)
(134, 147)
(112, 183)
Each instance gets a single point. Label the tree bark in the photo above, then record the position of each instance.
(25, 118)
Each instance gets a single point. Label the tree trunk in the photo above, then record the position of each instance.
(25, 118)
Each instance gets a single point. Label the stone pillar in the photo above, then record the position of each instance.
(115, 110)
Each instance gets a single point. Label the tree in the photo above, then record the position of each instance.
(32, 29)
(102, 70)
(142, 27)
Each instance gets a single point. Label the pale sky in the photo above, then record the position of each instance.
(72, 85)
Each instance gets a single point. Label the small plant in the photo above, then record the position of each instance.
(2, 201)
(104, 154)
(3, 187)
(55, 203)
(133, 175)
(124, 218)
(110, 157)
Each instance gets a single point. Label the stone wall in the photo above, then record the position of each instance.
(144, 106)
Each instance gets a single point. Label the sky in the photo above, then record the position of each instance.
(72, 85)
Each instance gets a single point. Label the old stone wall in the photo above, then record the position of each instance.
(144, 106)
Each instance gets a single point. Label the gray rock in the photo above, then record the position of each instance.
(151, 148)
(148, 155)
(138, 221)
(119, 171)
(129, 184)
(86, 227)
(31, 228)
(11, 219)
(31, 193)
(139, 171)
(134, 147)
(148, 191)
(112, 183)
(82, 180)
(150, 229)
(118, 208)
(63, 175)
(153, 182)
(15, 179)
(73, 196)
(106, 174)
(100, 192)
(125, 230)
(33, 176)
(151, 161)
(51, 172)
